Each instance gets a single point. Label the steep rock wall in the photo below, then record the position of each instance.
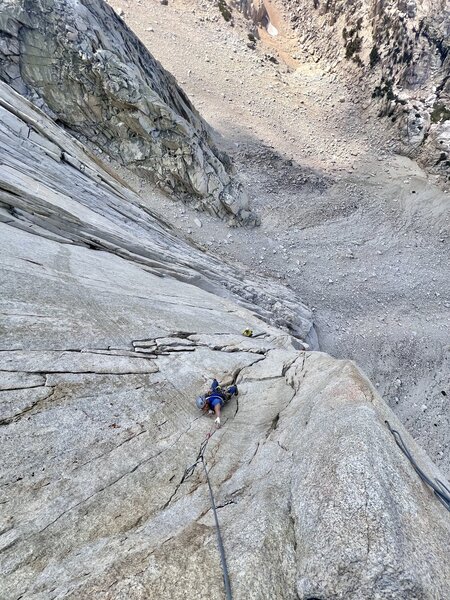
(110, 327)
(80, 63)
(52, 186)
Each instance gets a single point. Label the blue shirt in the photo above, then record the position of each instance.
(214, 400)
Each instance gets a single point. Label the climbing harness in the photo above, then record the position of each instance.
(188, 473)
(440, 490)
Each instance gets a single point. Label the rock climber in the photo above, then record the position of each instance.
(215, 399)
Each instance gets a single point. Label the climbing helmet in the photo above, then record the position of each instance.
(200, 402)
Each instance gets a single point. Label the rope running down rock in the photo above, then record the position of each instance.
(188, 473)
(440, 490)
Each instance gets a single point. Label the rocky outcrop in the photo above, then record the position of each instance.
(50, 185)
(397, 51)
(254, 10)
(81, 64)
(111, 326)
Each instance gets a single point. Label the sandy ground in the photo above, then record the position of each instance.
(360, 233)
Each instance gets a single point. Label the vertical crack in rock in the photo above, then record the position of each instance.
(292, 523)
(366, 515)
(211, 458)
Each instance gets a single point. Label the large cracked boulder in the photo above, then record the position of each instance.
(80, 63)
(110, 327)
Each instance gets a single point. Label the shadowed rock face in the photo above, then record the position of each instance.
(110, 327)
(81, 64)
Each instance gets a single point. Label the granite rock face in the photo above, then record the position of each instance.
(52, 187)
(81, 64)
(110, 328)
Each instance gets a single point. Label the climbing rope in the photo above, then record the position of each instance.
(188, 473)
(440, 490)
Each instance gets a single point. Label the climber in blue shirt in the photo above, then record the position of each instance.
(215, 398)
